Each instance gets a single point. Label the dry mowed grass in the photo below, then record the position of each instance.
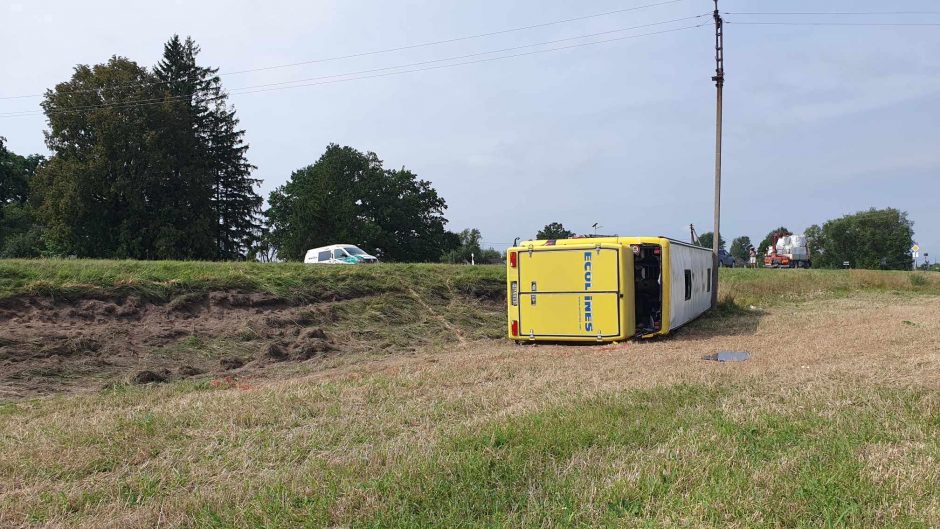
(834, 421)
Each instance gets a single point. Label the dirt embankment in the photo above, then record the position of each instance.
(53, 345)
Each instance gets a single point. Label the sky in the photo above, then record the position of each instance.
(819, 121)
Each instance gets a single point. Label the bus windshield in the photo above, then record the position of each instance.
(352, 250)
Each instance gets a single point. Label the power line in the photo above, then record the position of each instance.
(183, 97)
(479, 54)
(402, 48)
(456, 39)
(764, 23)
(490, 59)
(862, 13)
(347, 77)
(122, 104)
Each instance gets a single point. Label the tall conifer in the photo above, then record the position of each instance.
(211, 154)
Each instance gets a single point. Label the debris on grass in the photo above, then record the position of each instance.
(229, 363)
(149, 377)
(728, 356)
(275, 352)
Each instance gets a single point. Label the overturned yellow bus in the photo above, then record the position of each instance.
(605, 289)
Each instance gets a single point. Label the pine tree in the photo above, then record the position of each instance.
(146, 181)
(236, 205)
(212, 155)
(187, 202)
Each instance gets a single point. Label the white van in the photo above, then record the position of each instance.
(338, 254)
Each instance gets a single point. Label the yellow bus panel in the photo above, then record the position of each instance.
(570, 292)
(567, 269)
(566, 316)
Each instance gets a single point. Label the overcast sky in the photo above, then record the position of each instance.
(820, 121)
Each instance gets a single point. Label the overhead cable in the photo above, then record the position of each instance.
(351, 76)
(406, 47)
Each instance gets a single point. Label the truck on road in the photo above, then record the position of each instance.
(789, 251)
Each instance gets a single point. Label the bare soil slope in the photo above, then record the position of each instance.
(84, 325)
(50, 345)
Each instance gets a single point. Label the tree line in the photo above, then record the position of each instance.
(19, 232)
(871, 239)
(147, 163)
(150, 163)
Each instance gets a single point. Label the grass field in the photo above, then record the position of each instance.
(834, 422)
(163, 280)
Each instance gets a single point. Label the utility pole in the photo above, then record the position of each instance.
(719, 79)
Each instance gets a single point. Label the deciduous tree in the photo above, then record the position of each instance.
(469, 246)
(20, 234)
(707, 239)
(877, 238)
(102, 192)
(15, 174)
(741, 248)
(348, 197)
(146, 164)
(554, 230)
(816, 244)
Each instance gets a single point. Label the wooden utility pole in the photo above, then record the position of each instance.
(719, 79)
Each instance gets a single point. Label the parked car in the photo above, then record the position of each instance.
(725, 259)
(339, 254)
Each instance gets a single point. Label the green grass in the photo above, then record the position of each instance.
(768, 286)
(164, 280)
(394, 307)
(656, 458)
(409, 445)
(683, 455)
(167, 280)
(386, 307)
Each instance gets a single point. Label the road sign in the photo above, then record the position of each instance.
(915, 248)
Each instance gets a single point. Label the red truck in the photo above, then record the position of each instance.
(789, 251)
